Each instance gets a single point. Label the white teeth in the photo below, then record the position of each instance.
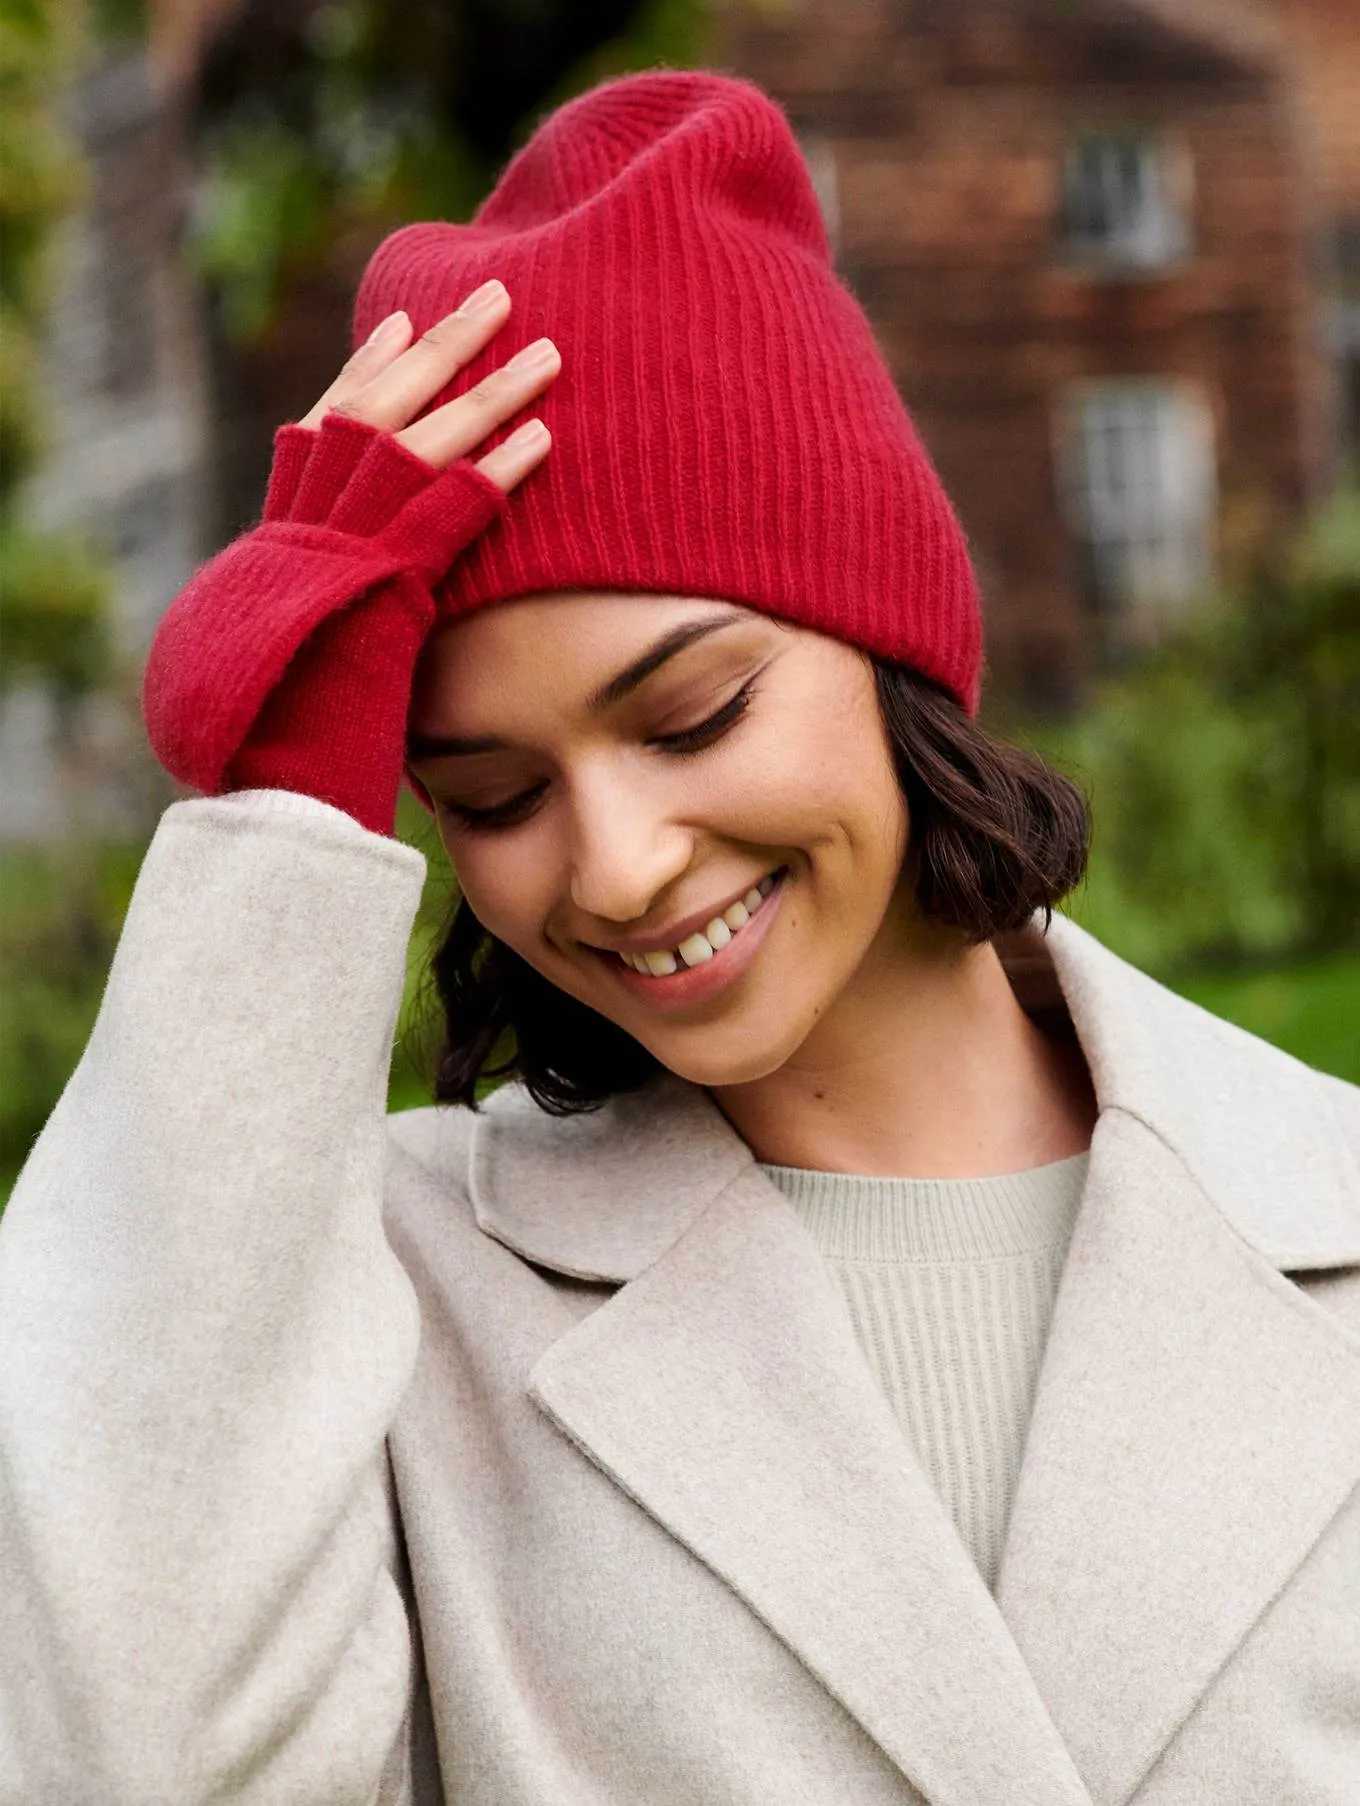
(699, 948)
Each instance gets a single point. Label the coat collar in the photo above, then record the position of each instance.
(601, 1196)
(722, 1389)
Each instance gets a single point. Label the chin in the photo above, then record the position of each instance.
(726, 1055)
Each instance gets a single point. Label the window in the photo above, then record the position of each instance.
(1123, 203)
(1136, 481)
(820, 157)
(1343, 326)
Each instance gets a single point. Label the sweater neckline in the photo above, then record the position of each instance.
(855, 1216)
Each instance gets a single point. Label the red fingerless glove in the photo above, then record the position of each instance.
(286, 662)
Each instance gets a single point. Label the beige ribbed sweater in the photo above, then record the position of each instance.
(950, 1285)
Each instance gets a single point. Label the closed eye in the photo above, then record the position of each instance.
(508, 814)
(517, 809)
(713, 727)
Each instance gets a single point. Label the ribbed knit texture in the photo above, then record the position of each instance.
(950, 1285)
(724, 423)
(286, 662)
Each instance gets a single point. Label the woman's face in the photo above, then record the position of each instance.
(680, 785)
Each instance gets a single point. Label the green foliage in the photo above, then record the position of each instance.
(39, 171)
(52, 597)
(366, 129)
(20, 412)
(118, 22)
(266, 206)
(417, 1039)
(667, 32)
(61, 911)
(52, 591)
(1312, 1010)
(1224, 771)
(39, 180)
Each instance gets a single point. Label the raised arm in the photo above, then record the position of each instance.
(204, 1335)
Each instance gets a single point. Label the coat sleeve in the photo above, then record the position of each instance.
(204, 1337)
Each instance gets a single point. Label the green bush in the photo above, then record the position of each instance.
(53, 614)
(1224, 772)
(1312, 1010)
(53, 591)
(61, 910)
(418, 1026)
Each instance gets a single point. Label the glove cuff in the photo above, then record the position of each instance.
(292, 448)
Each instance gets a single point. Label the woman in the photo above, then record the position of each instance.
(654, 1433)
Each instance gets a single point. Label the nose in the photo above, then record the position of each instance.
(625, 850)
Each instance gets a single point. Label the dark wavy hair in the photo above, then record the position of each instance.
(996, 834)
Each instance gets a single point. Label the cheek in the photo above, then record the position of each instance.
(506, 884)
(828, 787)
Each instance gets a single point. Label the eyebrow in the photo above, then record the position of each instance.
(433, 746)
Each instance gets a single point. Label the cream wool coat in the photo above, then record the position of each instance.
(570, 1487)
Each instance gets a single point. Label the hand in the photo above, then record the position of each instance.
(388, 381)
(287, 661)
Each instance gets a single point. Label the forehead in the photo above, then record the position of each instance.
(559, 647)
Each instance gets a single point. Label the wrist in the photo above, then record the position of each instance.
(335, 728)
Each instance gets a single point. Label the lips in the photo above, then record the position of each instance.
(698, 946)
(676, 977)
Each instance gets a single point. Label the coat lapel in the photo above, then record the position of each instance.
(1197, 1421)
(1196, 1426)
(723, 1390)
(601, 1195)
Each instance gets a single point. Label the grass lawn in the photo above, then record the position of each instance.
(1311, 1010)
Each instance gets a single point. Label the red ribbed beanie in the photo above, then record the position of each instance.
(723, 424)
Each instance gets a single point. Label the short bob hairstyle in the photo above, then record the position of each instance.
(996, 834)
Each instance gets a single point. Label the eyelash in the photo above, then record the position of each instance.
(504, 815)
(688, 741)
(704, 733)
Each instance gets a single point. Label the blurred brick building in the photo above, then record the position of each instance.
(1102, 243)
(1111, 249)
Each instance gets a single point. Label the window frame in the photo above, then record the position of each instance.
(820, 160)
(1162, 239)
(1169, 505)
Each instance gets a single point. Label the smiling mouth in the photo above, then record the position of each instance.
(698, 948)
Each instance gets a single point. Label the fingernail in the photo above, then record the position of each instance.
(542, 351)
(482, 297)
(389, 328)
(528, 434)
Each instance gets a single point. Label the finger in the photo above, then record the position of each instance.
(385, 343)
(512, 461)
(461, 424)
(398, 393)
